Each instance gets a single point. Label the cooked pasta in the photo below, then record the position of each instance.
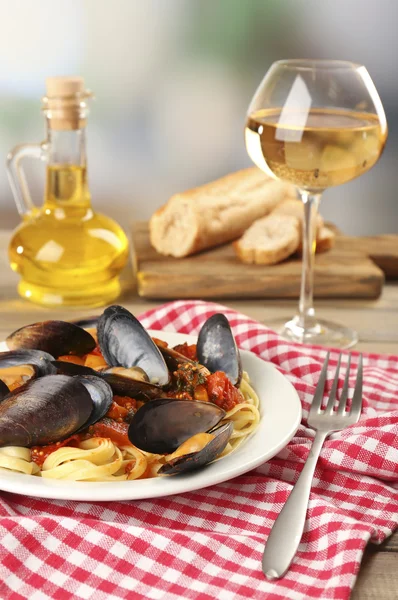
(18, 459)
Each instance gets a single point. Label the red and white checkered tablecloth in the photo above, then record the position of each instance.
(208, 544)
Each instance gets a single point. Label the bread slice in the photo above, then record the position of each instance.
(325, 239)
(296, 208)
(269, 240)
(215, 213)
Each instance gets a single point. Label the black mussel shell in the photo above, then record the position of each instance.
(87, 322)
(4, 391)
(70, 368)
(42, 361)
(217, 349)
(54, 337)
(44, 411)
(121, 385)
(161, 425)
(195, 460)
(101, 396)
(124, 342)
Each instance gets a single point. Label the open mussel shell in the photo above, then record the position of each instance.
(195, 460)
(55, 337)
(217, 349)
(20, 366)
(43, 411)
(160, 426)
(125, 343)
(121, 380)
(4, 391)
(41, 361)
(101, 395)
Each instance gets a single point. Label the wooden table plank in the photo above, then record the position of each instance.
(375, 320)
(377, 577)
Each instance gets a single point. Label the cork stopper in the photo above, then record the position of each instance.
(61, 87)
(65, 102)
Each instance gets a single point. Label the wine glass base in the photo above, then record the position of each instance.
(321, 333)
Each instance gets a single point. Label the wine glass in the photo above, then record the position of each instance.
(316, 124)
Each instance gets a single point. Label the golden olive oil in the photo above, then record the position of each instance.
(67, 254)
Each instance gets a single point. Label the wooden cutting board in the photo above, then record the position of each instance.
(345, 271)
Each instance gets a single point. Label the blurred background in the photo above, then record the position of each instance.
(173, 81)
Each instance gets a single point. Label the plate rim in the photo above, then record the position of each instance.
(29, 485)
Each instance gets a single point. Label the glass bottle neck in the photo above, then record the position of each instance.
(66, 181)
(67, 147)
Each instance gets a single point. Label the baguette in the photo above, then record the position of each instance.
(215, 213)
(269, 240)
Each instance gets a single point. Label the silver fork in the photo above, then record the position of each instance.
(287, 530)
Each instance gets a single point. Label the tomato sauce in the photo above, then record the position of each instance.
(107, 428)
(40, 453)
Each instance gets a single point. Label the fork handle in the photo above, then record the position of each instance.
(287, 530)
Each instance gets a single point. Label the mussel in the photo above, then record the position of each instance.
(215, 442)
(43, 411)
(125, 343)
(124, 382)
(20, 366)
(217, 349)
(55, 337)
(51, 408)
(163, 425)
(37, 358)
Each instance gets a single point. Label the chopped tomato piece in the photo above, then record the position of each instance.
(189, 351)
(117, 412)
(222, 392)
(107, 428)
(40, 453)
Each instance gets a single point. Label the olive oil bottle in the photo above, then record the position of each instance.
(66, 254)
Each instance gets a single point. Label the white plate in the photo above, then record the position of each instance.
(280, 409)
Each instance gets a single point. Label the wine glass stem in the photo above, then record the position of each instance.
(306, 316)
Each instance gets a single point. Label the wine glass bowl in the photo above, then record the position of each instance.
(315, 124)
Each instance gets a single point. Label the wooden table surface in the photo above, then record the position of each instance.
(375, 320)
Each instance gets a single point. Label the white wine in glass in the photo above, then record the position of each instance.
(315, 124)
